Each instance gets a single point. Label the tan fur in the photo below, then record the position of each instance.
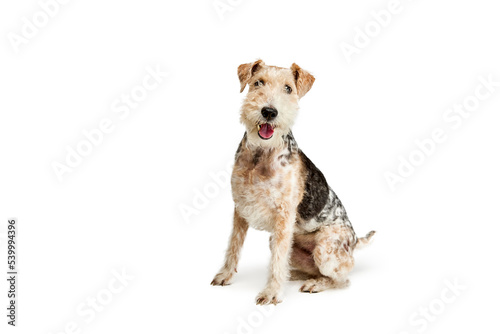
(365, 241)
(322, 283)
(323, 254)
(333, 259)
(246, 71)
(268, 184)
(266, 193)
(304, 80)
(240, 228)
(272, 93)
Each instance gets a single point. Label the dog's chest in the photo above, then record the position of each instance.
(265, 186)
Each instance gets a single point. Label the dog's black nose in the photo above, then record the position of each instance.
(269, 113)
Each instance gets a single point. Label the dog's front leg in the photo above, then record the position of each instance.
(240, 228)
(281, 244)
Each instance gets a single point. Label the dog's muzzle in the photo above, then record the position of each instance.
(266, 130)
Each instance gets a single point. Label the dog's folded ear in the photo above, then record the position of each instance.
(303, 80)
(246, 71)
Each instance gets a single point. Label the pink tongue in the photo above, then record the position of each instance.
(266, 131)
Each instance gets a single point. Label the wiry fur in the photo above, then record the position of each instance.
(276, 188)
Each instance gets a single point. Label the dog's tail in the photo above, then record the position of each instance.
(365, 241)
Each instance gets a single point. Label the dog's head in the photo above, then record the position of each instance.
(272, 101)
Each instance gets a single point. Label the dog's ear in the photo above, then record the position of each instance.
(303, 80)
(246, 71)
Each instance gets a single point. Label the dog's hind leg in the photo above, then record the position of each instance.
(333, 257)
(305, 266)
(301, 258)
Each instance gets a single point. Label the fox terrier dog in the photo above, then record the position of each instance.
(276, 188)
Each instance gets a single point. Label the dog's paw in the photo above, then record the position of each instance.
(268, 297)
(222, 278)
(311, 286)
(317, 285)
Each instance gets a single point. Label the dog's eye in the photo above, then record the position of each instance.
(258, 83)
(288, 89)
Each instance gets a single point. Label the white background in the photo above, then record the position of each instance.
(120, 208)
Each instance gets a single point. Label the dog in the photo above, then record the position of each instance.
(276, 188)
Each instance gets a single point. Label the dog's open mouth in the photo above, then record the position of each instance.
(266, 131)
